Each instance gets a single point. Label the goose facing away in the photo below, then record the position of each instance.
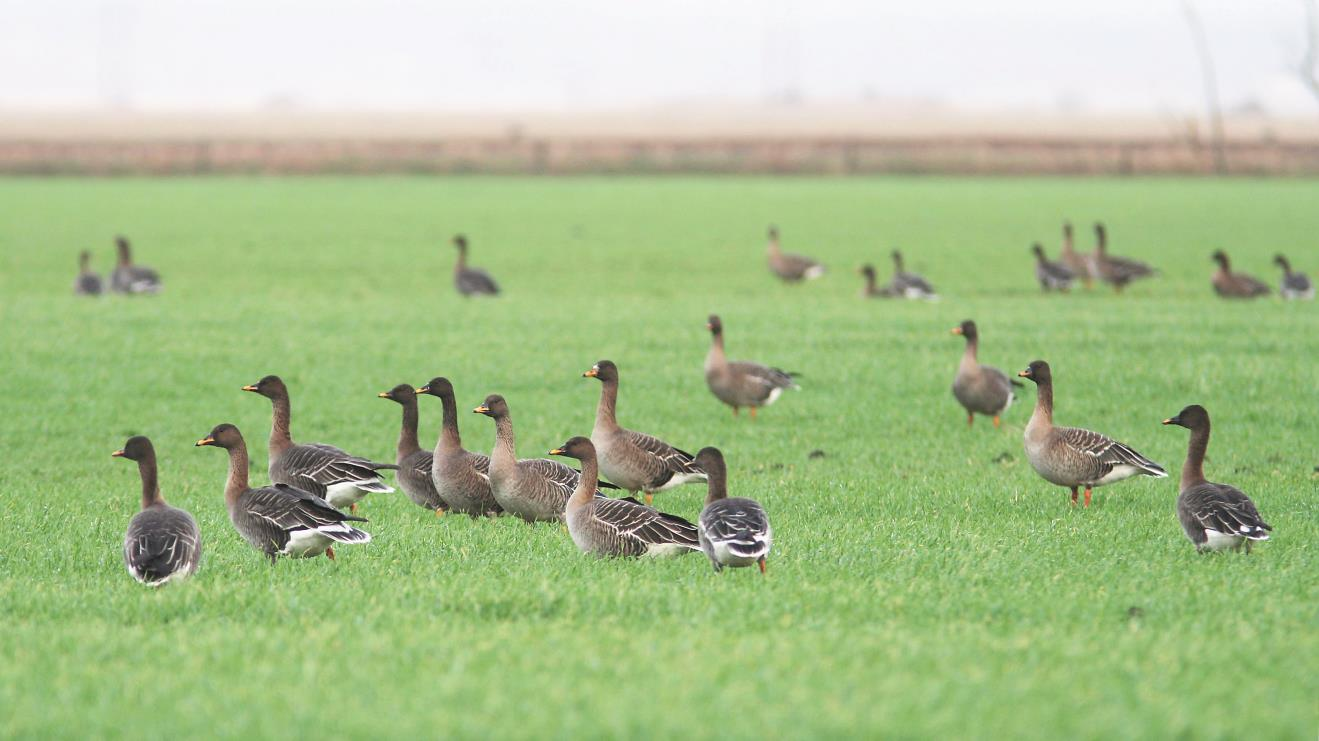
(324, 470)
(468, 280)
(1294, 285)
(1116, 271)
(910, 285)
(414, 464)
(1214, 516)
(1053, 276)
(87, 283)
(980, 389)
(1080, 264)
(789, 267)
(634, 460)
(462, 478)
(618, 527)
(279, 520)
(162, 543)
(1071, 456)
(129, 277)
(741, 383)
(733, 531)
(1235, 285)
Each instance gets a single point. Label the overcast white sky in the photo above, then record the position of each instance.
(1103, 55)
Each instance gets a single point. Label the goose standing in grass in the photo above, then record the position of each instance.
(618, 527)
(462, 478)
(471, 281)
(789, 267)
(1294, 285)
(1228, 284)
(87, 283)
(324, 470)
(634, 460)
(129, 277)
(980, 389)
(740, 383)
(1116, 271)
(1053, 276)
(1213, 516)
(872, 288)
(279, 520)
(1073, 457)
(733, 531)
(910, 285)
(1079, 263)
(163, 543)
(414, 464)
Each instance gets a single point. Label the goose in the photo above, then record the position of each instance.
(789, 267)
(1073, 457)
(872, 288)
(1053, 276)
(980, 389)
(1228, 284)
(279, 520)
(1116, 271)
(471, 281)
(618, 527)
(129, 277)
(1079, 263)
(1213, 516)
(162, 543)
(635, 461)
(462, 478)
(741, 383)
(1294, 285)
(910, 285)
(733, 531)
(87, 283)
(414, 464)
(324, 470)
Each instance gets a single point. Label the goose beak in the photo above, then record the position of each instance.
(1024, 374)
(556, 451)
(1170, 421)
(482, 410)
(383, 394)
(709, 326)
(117, 454)
(249, 388)
(956, 330)
(591, 373)
(423, 390)
(205, 441)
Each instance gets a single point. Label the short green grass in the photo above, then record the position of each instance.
(924, 582)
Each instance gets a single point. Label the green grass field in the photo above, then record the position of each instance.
(924, 583)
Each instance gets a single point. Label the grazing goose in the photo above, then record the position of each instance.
(910, 285)
(324, 470)
(1073, 457)
(1116, 271)
(1079, 263)
(279, 520)
(733, 532)
(634, 460)
(1228, 284)
(1213, 516)
(130, 278)
(791, 268)
(980, 389)
(1294, 285)
(471, 281)
(618, 527)
(872, 288)
(414, 464)
(462, 478)
(87, 283)
(162, 543)
(1053, 276)
(740, 383)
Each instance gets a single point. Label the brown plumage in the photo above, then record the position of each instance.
(1235, 285)
(789, 267)
(980, 389)
(740, 383)
(1080, 263)
(1115, 271)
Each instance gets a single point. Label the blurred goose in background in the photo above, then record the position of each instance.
(129, 277)
(1053, 276)
(462, 478)
(1116, 271)
(733, 531)
(872, 289)
(1235, 285)
(414, 464)
(87, 283)
(618, 527)
(471, 281)
(740, 383)
(324, 470)
(1081, 264)
(1071, 456)
(980, 389)
(789, 267)
(1213, 516)
(1294, 285)
(279, 520)
(910, 285)
(163, 543)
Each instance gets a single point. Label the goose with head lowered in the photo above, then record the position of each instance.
(1214, 516)
(1080, 264)
(324, 470)
(462, 478)
(1073, 457)
(980, 389)
(279, 520)
(1229, 284)
(789, 267)
(741, 383)
(1295, 285)
(163, 543)
(734, 531)
(910, 285)
(87, 283)
(618, 527)
(635, 461)
(468, 280)
(1053, 276)
(414, 464)
(128, 276)
(1115, 271)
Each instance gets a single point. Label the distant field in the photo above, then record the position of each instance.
(925, 582)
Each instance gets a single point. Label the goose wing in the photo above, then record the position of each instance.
(671, 458)
(476, 280)
(1107, 450)
(763, 375)
(326, 466)
(741, 524)
(159, 544)
(289, 509)
(1226, 509)
(647, 525)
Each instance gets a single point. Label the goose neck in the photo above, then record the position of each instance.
(587, 483)
(146, 468)
(717, 483)
(606, 412)
(236, 484)
(450, 440)
(407, 436)
(280, 440)
(505, 452)
(1193, 469)
(1042, 417)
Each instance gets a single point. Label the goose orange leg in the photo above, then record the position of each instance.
(650, 498)
(1087, 496)
(752, 412)
(439, 512)
(970, 419)
(1073, 496)
(329, 553)
(762, 564)
(353, 508)
(996, 421)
